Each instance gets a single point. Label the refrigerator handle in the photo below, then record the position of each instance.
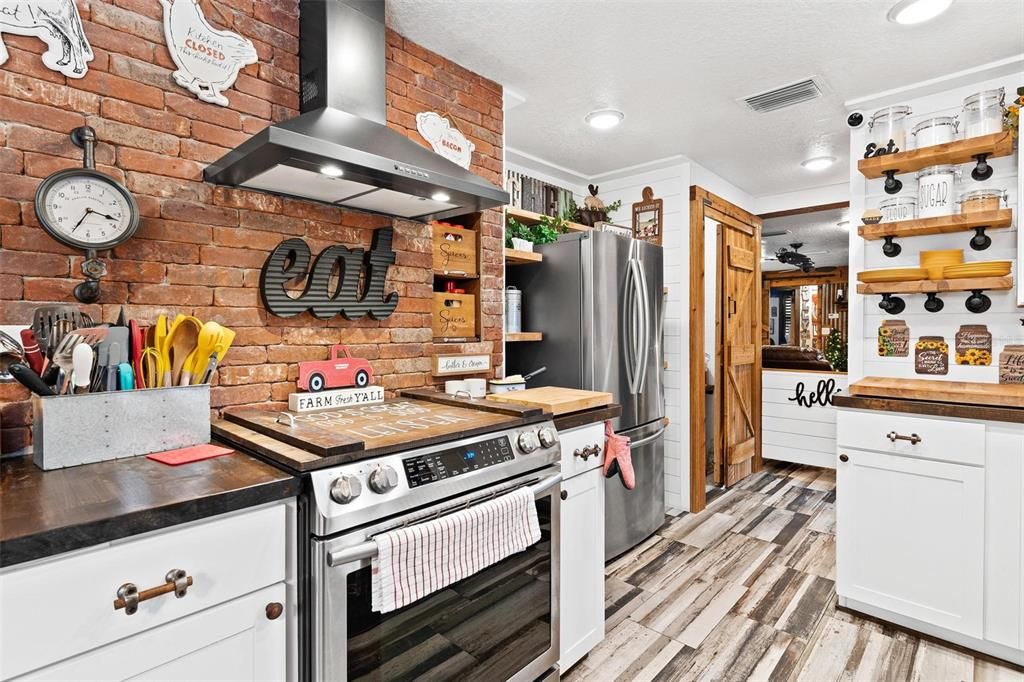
(645, 324)
(629, 327)
(639, 337)
(644, 441)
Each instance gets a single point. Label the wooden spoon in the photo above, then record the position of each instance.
(180, 346)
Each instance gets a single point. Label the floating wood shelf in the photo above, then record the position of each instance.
(964, 222)
(959, 151)
(454, 275)
(937, 286)
(531, 218)
(513, 337)
(960, 392)
(516, 257)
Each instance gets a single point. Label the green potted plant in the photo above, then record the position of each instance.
(523, 237)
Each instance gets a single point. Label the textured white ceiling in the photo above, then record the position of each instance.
(677, 68)
(824, 239)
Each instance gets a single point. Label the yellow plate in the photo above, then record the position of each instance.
(999, 268)
(892, 275)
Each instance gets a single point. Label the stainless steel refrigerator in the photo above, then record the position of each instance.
(598, 299)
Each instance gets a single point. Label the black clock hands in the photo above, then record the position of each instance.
(88, 212)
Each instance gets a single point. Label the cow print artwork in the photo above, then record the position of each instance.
(56, 23)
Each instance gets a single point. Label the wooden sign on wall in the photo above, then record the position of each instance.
(464, 363)
(648, 218)
(931, 356)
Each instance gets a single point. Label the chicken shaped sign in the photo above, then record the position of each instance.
(444, 138)
(208, 58)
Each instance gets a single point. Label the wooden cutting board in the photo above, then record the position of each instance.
(1002, 395)
(554, 399)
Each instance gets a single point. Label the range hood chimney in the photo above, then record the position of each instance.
(339, 150)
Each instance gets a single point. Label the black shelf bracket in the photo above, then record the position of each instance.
(933, 304)
(894, 305)
(978, 302)
(893, 184)
(982, 171)
(980, 241)
(890, 248)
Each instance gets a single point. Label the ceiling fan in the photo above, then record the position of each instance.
(794, 257)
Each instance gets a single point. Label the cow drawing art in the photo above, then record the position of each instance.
(56, 23)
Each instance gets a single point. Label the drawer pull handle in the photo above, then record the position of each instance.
(844, 458)
(588, 452)
(274, 610)
(129, 597)
(913, 438)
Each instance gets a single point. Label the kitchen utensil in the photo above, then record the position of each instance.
(33, 356)
(892, 275)
(8, 358)
(81, 360)
(514, 382)
(149, 367)
(24, 375)
(206, 344)
(113, 355)
(63, 358)
(935, 262)
(898, 208)
(136, 342)
(125, 377)
(211, 365)
(890, 124)
(979, 200)
(45, 317)
(935, 130)
(179, 345)
(99, 374)
(60, 329)
(992, 268)
(983, 112)
(936, 187)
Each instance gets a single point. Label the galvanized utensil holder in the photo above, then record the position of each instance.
(68, 430)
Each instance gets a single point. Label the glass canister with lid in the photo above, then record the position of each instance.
(935, 191)
(898, 208)
(983, 112)
(978, 200)
(935, 130)
(890, 124)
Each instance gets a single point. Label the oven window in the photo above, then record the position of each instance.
(486, 627)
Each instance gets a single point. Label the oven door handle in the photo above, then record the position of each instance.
(368, 549)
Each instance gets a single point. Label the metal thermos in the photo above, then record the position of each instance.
(513, 310)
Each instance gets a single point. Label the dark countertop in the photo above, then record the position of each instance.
(43, 513)
(1012, 415)
(575, 420)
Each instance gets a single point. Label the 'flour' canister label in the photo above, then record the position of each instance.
(935, 196)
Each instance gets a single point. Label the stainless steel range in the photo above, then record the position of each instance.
(501, 623)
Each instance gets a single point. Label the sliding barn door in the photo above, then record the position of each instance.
(738, 378)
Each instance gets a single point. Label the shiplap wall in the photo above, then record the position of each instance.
(1003, 319)
(791, 432)
(672, 185)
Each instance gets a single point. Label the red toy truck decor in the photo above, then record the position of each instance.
(341, 371)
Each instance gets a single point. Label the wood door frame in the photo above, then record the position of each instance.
(704, 204)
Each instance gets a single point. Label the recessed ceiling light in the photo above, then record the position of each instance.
(604, 119)
(440, 196)
(818, 163)
(332, 171)
(917, 11)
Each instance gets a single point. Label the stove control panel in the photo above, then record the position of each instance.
(439, 466)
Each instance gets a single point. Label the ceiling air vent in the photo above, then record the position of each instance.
(786, 96)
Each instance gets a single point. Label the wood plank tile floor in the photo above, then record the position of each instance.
(745, 590)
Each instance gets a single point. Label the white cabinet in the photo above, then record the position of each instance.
(235, 641)
(910, 537)
(581, 570)
(61, 611)
(930, 526)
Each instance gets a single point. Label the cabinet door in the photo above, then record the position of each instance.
(234, 641)
(581, 604)
(910, 536)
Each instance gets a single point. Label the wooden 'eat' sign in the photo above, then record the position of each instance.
(648, 217)
(289, 263)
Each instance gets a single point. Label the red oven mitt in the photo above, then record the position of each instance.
(617, 459)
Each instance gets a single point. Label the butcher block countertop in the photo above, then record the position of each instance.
(934, 390)
(43, 513)
(1012, 415)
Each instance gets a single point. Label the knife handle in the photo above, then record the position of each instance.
(29, 379)
(51, 374)
(32, 353)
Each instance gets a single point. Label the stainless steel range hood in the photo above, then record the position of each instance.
(340, 150)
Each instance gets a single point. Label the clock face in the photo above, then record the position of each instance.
(86, 209)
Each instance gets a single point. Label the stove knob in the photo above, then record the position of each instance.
(528, 442)
(345, 488)
(383, 478)
(548, 437)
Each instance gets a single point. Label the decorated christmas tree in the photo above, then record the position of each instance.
(835, 350)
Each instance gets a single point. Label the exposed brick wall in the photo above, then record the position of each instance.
(199, 248)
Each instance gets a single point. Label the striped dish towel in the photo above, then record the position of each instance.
(416, 561)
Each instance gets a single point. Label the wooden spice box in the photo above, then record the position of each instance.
(455, 250)
(453, 316)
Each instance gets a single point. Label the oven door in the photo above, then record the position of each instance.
(498, 624)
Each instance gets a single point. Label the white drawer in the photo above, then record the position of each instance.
(938, 439)
(62, 607)
(577, 441)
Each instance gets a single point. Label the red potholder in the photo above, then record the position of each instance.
(617, 457)
(196, 453)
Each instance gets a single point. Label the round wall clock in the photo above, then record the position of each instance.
(86, 209)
